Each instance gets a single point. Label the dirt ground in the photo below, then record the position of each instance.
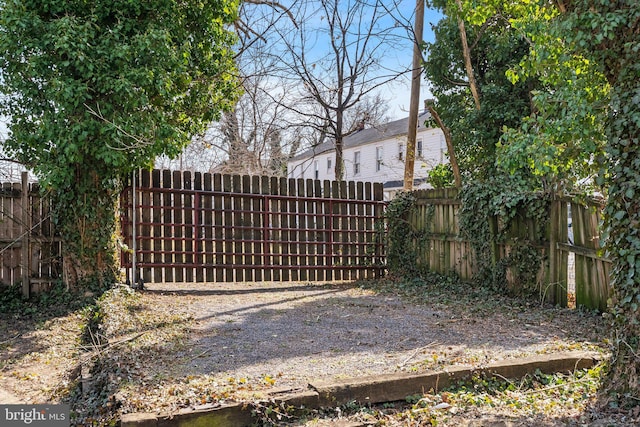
(304, 332)
(174, 346)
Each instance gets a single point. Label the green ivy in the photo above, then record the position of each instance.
(488, 213)
(56, 301)
(98, 89)
(404, 242)
(607, 32)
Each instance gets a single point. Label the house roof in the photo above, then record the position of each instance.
(367, 136)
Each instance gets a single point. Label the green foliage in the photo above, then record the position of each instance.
(494, 212)
(496, 48)
(56, 301)
(562, 142)
(404, 243)
(97, 89)
(543, 105)
(441, 176)
(607, 32)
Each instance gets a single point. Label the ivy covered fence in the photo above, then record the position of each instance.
(520, 245)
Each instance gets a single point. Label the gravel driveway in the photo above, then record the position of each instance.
(297, 332)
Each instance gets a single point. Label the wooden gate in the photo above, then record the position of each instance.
(231, 228)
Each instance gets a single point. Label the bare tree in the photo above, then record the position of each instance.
(310, 74)
(336, 56)
(254, 137)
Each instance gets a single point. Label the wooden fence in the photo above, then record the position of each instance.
(573, 231)
(29, 248)
(204, 227)
(232, 228)
(436, 213)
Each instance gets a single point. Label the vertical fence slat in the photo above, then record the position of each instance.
(157, 227)
(208, 225)
(168, 228)
(247, 231)
(257, 215)
(219, 231)
(187, 218)
(178, 227)
(302, 229)
(276, 225)
(310, 231)
(228, 227)
(294, 234)
(198, 229)
(267, 239)
(334, 259)
(25, 237)
(360, 233)
(145, 225)
(285, 220)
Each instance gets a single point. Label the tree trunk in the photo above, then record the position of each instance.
(339, 167)
(466, 52)
(453, 160)
(85, 213)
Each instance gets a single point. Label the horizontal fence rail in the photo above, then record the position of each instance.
(232, 228)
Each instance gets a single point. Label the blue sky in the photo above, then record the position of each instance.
(396, 58)
(397, 94)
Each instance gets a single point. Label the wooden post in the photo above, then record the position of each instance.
(551, 294)
(26, 234)
(415, 97)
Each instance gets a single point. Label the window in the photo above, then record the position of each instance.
(356, 163)
(419, 148)
(316, 172)
(401, 152)
(378, 159)
(329, 164)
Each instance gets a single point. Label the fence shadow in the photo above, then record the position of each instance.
(311, 332)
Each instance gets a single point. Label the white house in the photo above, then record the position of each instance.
(376, 154)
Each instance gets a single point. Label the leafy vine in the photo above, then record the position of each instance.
(492, 214)
(404, 242)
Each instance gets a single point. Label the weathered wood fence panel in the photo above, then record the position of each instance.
(437, 213)
(555, 286)
(30, 250)
(231, 228)
(591, 267)
(447, 251)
